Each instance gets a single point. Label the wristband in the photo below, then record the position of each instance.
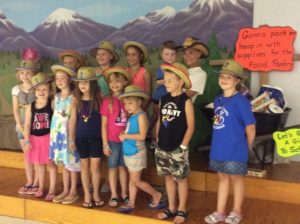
(26, 142)
(105, 146)
(184, 147)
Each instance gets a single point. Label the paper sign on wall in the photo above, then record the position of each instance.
(266, 48)
(287, 142)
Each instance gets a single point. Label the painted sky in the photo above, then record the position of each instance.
(28, 14)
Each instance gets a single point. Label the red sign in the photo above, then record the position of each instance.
(266, 48)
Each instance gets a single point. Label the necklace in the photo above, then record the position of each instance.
(85, 113)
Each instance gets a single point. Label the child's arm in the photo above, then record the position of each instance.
(72, 126)
(27, 126)
(106, 148)
(190, 120)
(15, 104)
(250, 132)
(190, 93)
(160, 82)
(148, 81)
(143, 126)
(157, 127)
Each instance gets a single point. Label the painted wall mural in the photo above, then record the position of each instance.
(81, 25)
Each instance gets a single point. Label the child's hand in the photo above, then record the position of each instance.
(27, 146)
(122, 136)
(107, 150)
(72, 146)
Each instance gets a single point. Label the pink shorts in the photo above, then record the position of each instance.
(39, 152)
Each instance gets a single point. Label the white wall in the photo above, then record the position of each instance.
(281, 13)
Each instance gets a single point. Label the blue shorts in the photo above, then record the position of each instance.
(116, 159)
(229, 167)
(89, 147)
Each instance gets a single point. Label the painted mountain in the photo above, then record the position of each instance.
(66, 29)
(199, 19)
(13, 38)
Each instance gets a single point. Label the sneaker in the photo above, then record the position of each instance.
(233, 218)
(214, 217)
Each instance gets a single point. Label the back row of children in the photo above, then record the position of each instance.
(79, 135)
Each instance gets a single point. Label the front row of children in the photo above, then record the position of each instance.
(79, 135)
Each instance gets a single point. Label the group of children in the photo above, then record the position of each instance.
(103, 111)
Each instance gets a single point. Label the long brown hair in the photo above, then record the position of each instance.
(140, 53)
(94, 95)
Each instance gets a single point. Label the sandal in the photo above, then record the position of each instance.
(160, 205)
(113, 202)
(167, 214)
(214, 217)
(59, 198)
(70, 200)
(39, 194)
(49, 197)
(98, 204)
(233, 218)
(87, 204)
(182, 215)
(126, 209)
(24, 189)
(125, 200)
(32, 190)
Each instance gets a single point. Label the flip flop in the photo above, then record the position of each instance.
(126, 209)
(113, 202)
(98, 204)
(67, 201)
(58, 199)
(24, 189)
(39, 194)
(160, 205)
(167, 214)
(87, 204)
(49, 197)
(125, 200)
(182, 214)
(32, 190)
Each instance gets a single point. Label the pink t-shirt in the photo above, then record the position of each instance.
(138, 79)
(116, 119)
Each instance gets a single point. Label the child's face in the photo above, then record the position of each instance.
(117, 83)
(25, 75)
(70, 62)
(42, 91)
(103, 57)
(62, 80)
(191, 57)
(84, 87)
(132, 56)
(132, 104)
(228, 82)
(172, 82)
(168, 55)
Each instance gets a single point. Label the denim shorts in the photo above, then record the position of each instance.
(116, 159)
(89, 147)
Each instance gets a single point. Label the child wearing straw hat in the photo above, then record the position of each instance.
(60, 151)
(233, 132)
(37, 133)
(136, 56)
(134, 149)
(176, 112)
(114, 120)
(106, 56)
(21, 98)
(71, 59)
(86, 120)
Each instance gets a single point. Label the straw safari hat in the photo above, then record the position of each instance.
(138, 45)
(39, 79)
(28, 65)
(181, 71)
(133, 90)
(106, 45)
(233, 68)
(120, 70)
(63, 68)
(194, 43)
(85, 74)
(72, 53)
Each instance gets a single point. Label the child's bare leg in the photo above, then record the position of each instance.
(53, 177)
(123, 176)
(112, 177)
(85, 179)
(223, 191)
(74, 181)
(183, 190)
(41, 168)
(238, 192)
(66, 183)
(95, 171)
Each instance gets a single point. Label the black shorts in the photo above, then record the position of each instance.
(89, 147)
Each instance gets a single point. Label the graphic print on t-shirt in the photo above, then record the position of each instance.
(169, 113)
(121, 118)
(219, 117)
(41, 121)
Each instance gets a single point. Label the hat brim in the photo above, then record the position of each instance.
(138, 45)
(178, 72)
(49, 79)
(229, 72)
(55, 68)
(90, 79)
(72, 54)
(199, 46)
(135, 94)
(116, 57)
(29, 69)
(123, 72)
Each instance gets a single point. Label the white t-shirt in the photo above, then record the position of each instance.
(198, 80)
(15, 90)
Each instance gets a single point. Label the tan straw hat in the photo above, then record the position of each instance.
(133, 90)
(138, 45)
(28, 65)
(63, 68)
(72, 53)
(106, 45)
(194, 43)
(179, 70)
(39, 79)
(86, 74)
(231, 67)
(120, 70)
